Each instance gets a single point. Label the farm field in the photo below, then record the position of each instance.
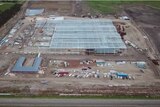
(114, 6)
(5, 6)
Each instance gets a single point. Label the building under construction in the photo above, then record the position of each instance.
(81, 36)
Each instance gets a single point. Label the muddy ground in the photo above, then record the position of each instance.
(149, 19)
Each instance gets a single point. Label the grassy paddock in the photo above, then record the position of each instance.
(5, 6)
(112, 6)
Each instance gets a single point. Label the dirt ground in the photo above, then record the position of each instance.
(149, 19)
(48, 65)
(54, 7)
(46, 82)
(64, 8)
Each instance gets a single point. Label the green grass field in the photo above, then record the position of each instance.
(112, 6)
(5, 6)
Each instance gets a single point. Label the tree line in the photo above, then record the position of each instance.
(13, 1)
(9, 13)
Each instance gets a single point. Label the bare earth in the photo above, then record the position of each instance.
(149, 19)
(45, 83)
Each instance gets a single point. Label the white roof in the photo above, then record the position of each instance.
(82, 34)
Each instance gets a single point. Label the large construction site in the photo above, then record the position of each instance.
(53, 49)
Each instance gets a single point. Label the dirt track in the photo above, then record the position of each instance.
(149, 19)
(40, 89)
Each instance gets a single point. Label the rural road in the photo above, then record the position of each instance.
(29, 102)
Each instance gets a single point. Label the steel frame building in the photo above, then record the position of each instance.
(82, 35)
